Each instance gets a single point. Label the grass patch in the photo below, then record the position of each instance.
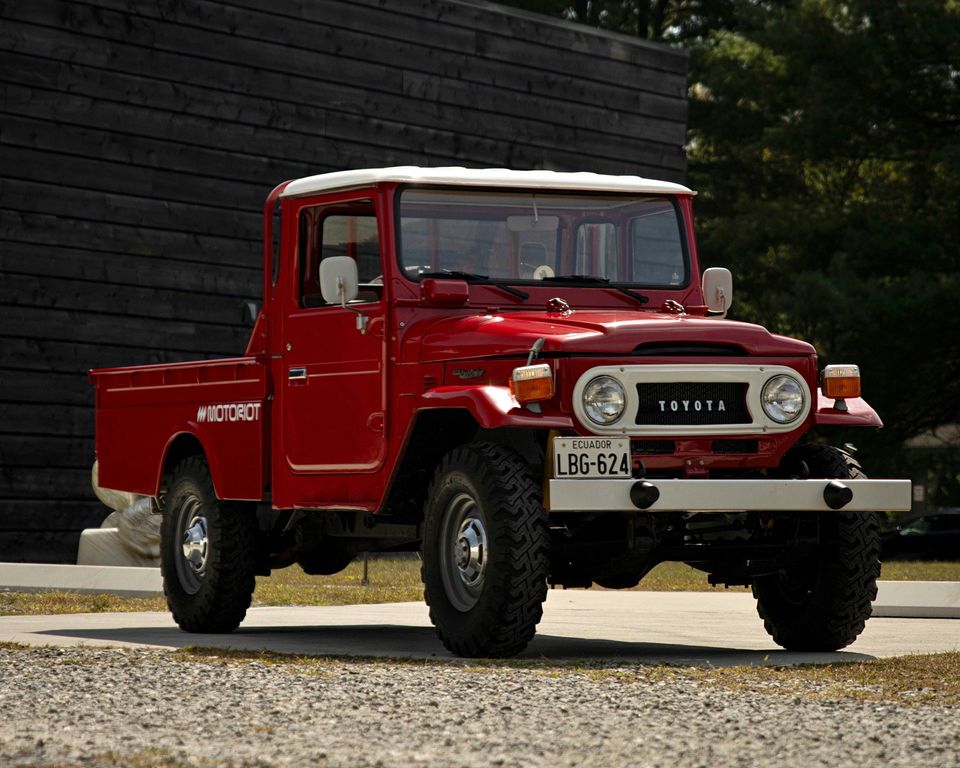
(920, 679)
(390, 581)
(151, 757)
(676, 577)
(43, 603)
(928, 679)
(679, 577)
(205, 654)
(915, 680)
(908, 570)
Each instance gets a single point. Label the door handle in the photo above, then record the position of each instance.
(297, 374)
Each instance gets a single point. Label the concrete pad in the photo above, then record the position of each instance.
(39, 577)
(912, 599)
(658, 627)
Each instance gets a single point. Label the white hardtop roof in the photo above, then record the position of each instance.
(477, 177)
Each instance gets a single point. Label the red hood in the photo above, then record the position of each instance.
(598, 332)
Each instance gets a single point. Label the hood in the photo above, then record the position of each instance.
(596, 332)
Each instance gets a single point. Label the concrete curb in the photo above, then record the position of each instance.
(40, 577)
(918, 599)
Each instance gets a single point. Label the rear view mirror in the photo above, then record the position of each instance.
(338, 280)
(718, 289)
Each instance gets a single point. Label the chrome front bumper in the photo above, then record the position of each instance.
(729, 495)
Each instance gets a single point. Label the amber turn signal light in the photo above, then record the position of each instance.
(841, 381)
(530, 383)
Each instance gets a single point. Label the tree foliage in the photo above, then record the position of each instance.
(823, 140)
(663, 20)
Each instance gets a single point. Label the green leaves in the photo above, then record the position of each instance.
(824, 140)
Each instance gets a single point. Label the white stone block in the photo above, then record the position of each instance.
(40, 577)
(105, 546)
(918, 599)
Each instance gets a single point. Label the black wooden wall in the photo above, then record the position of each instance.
(138, 139)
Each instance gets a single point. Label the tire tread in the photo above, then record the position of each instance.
(841, 601)
(516, 502)
(223, 600)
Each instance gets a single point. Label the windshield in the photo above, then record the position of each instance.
(532, 236)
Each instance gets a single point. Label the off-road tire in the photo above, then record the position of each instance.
(216, 598)
(507, 500)
(822, 604)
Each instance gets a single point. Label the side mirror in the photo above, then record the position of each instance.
(339, 285)
(338, 280)
(717, 287)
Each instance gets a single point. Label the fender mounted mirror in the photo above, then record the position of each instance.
(717, 287)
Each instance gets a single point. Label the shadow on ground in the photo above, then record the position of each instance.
(404, 642)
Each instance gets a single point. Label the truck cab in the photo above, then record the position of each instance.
(523, 375)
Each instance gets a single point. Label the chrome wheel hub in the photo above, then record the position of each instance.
(195, 543)
(470, 551)
(463, 551)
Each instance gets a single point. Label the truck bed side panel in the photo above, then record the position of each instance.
(141, 411)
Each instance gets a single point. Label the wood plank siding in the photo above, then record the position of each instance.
(138, 140)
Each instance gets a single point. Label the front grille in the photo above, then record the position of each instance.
(684, 349)
(686, 403)
(735, 446)
(653, 447)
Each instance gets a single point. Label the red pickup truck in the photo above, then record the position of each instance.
(522, 375)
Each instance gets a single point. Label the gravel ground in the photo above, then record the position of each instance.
(113, 707)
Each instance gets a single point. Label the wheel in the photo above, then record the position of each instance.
(208, 552)
(485, 551)
(823, 603)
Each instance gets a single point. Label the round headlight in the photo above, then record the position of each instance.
(604, 400)
(782, 399)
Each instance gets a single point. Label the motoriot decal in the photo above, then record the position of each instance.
(215, 414)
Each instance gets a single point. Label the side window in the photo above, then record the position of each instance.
(341, 230)
(655, 246)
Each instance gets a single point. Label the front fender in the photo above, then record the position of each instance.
(493, 407)
(858, 413)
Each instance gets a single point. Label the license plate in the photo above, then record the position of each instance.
(586, 457)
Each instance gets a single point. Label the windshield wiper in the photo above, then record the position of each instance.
(475, 279)
(594, 280)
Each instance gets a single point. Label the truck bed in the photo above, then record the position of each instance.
(145, 413)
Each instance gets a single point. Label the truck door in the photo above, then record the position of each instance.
(330, 386)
